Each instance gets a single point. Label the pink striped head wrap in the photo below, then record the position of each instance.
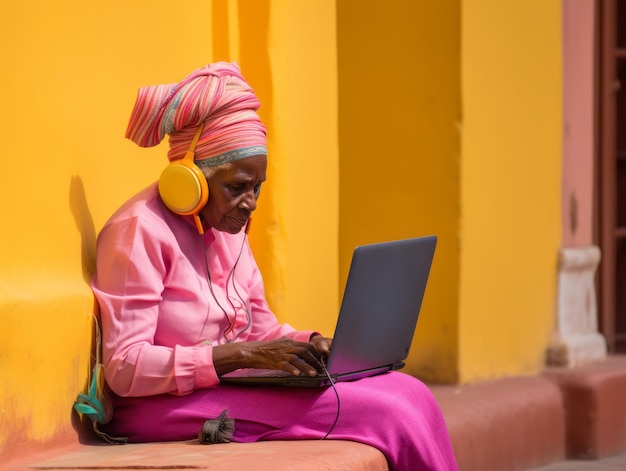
(217, 95)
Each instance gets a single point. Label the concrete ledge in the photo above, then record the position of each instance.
(302, 455)
(508, 424)
(504, 425)
(594, 398)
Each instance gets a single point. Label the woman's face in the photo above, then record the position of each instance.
(233, 192)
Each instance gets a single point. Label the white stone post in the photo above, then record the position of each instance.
(577, 340)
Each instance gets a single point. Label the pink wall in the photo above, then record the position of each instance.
(577, 189)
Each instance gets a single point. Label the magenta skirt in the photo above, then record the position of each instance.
(393, 412)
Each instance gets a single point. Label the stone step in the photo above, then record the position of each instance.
(594, 401)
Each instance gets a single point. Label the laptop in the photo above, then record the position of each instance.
(377, 319)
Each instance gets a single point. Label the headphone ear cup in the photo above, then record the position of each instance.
(183, 188)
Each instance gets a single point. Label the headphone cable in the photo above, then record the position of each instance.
(332, 383)
(230, 279)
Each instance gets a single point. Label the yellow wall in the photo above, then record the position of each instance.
(399, 112)
(450, 123)
(510, 185)
(70, 75)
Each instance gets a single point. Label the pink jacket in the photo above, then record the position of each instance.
(160, 314)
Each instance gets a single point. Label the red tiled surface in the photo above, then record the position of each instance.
(611, 463)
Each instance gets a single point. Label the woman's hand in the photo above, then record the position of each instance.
(294, 357)
(322, 345)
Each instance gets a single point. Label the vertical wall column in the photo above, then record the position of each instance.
(576, 339)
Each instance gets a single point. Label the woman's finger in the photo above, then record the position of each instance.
(312, 360)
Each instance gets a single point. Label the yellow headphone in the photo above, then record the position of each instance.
(183, 186)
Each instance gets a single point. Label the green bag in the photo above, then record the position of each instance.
(96, 404)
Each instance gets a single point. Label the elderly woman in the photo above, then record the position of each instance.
(182, 300)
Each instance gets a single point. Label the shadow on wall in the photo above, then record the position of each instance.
(85, 225)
